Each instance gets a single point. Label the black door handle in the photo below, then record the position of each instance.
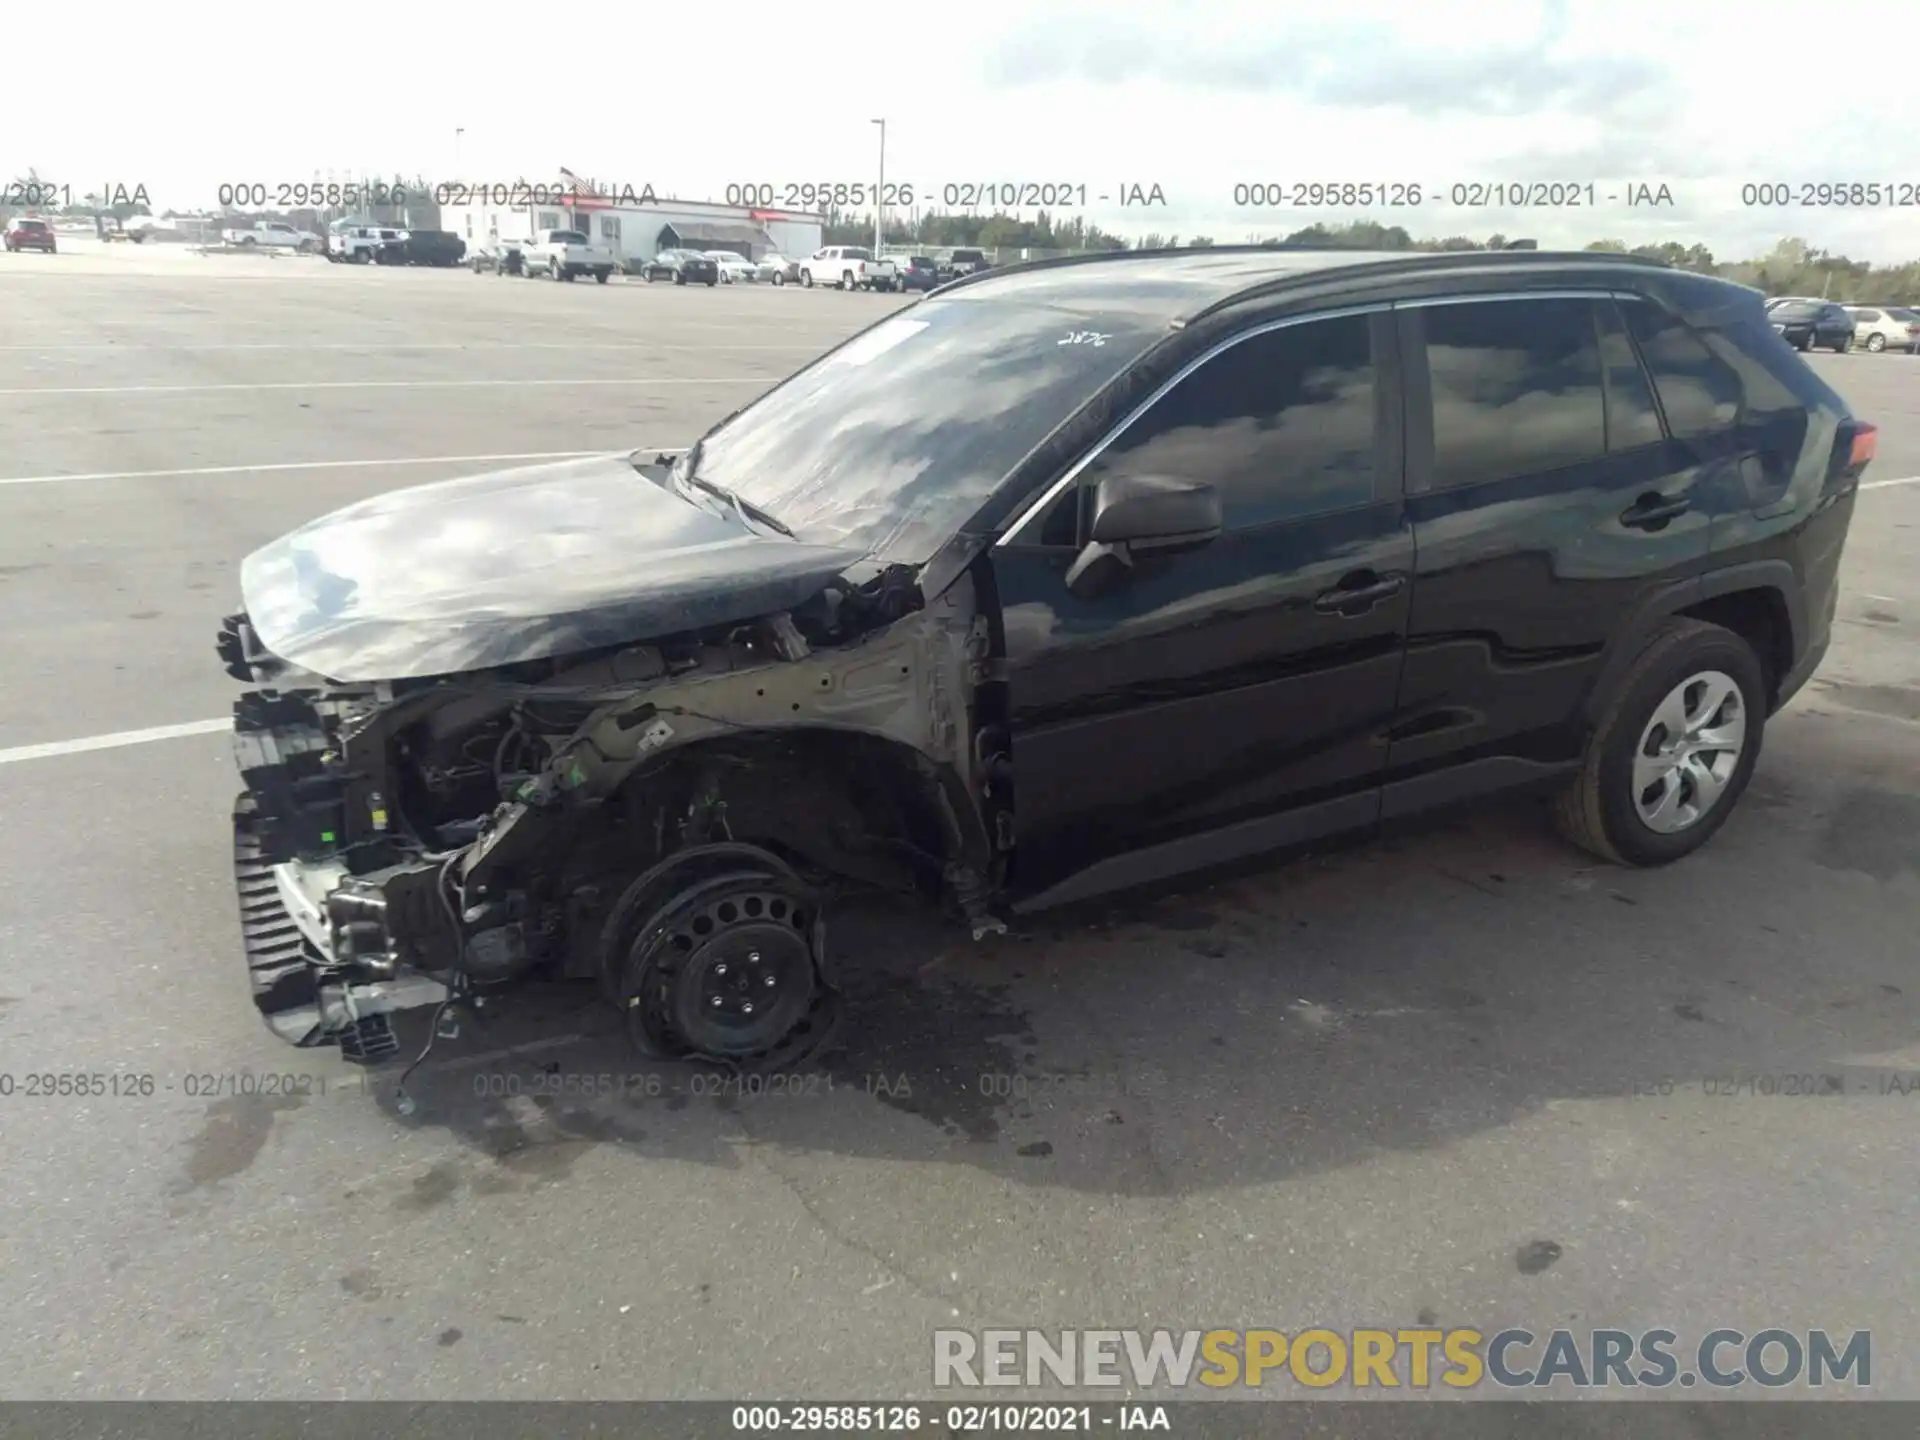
(1650, 512)
(1358, 594)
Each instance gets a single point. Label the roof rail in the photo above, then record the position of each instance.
(1520, 250)
(1415, 261)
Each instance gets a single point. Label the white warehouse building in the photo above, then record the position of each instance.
(635, 228)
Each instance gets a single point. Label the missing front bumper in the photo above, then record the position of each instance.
(301, 995)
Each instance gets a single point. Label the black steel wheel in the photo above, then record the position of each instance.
(717, 954)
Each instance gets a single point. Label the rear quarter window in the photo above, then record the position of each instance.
(1700, 393)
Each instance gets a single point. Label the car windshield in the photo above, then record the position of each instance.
(1905, 317)
(1795, 310)
(889, 443)
(569, 237)
(33, 225)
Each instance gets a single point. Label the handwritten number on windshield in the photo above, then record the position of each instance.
(1085, 337)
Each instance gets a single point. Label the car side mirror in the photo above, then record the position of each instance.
(1139, 516)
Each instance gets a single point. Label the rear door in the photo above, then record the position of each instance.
(1548, 506)
(1234, 699)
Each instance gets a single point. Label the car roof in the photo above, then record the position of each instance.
(1182, 285)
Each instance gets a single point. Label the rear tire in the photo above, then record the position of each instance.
(806, 279)
(778, 278)
(1628, 775)
(600, 276)
(847, 282)
(1876, 343)
(1846, 344)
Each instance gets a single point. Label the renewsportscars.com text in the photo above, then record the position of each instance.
(1459, 1359)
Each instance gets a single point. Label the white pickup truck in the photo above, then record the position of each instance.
(851, 267)
(567, 255)
(271, 234)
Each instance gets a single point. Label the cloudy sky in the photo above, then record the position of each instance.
(1700, 97)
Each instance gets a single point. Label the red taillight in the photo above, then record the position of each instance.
(1866, 440)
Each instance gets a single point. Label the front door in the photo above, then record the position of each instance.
(1233, 699)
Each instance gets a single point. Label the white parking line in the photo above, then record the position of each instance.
(376, 385)
(319, 465)
(407, 345)
(1883, 484)
(113, 741)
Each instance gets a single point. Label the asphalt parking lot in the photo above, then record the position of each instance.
(1462, 1077)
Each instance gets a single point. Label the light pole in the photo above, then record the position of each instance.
(880, 195)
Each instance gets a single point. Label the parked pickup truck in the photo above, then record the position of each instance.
(272, 234)
(355, 244)
(851, 267)
(567, 255)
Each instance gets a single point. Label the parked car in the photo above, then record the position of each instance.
(964, 262)
(918, 272)
(32, 233)
(499, 257)
(733, 267)
(433, 247)
(1885, 327)
(272, 235)
(1812, 324)
(851, 267)
(777, 269)
(348, 243)
(1118, 567)
(683, 267)
(567, 255)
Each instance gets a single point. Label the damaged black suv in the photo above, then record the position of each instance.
(1070, 577)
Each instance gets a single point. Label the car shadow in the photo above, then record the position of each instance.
(1397, 996)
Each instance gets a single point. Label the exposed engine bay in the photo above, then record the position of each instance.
(670, 819)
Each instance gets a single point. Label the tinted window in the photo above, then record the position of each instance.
(1795, 310)
(893, 440)
(1700, 394)
(1281, 424)
(1632, 417)
(1516, 388)
(1864, 316)
(568, 237)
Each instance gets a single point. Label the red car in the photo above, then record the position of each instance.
(31, 235)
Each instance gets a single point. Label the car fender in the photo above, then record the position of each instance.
(1663, 604)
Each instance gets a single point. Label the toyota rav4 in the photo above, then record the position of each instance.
(1074, 576)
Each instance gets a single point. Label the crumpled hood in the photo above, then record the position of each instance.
(516, 565)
